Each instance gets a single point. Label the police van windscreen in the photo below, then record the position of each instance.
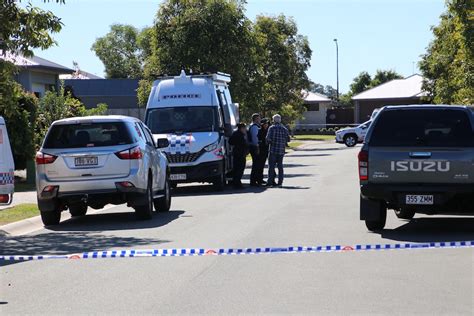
(423, 128)
(183, 119)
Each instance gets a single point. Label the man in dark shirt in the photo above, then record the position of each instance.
(278, 137)
(262, 143)
(254, 148)
(239, 151)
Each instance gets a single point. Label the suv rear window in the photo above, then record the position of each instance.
(423, 128)
(88, 135)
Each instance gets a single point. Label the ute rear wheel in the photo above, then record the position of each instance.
(404, 213)
(374, 213)
(350, 140)
(379, 224)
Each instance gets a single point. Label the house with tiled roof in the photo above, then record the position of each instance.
(36, 74)
(395, 92)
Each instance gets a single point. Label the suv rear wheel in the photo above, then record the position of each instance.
(350, 140)
(163, 204)
(78, 210)
(145, 211)
(51, 218)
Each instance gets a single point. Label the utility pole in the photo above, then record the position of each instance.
(337, 70)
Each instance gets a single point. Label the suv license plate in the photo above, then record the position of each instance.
(178, 176)
(86, 161)
(419, 199)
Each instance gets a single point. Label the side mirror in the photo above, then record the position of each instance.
(228, 130)
(162, 143)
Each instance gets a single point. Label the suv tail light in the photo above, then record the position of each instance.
(44, 159)
(4, 198)
(363, 165)
(130, 154)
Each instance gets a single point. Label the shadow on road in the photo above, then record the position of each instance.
(115, 221)
(203, 190)
(433, 230)
(67, 243)
(309, 155)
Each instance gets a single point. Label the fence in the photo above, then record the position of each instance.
(320, 129)
(138, 113)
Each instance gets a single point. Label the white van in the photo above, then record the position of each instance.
(7, 166)
(197, 116)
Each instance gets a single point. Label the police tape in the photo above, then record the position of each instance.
(188, 252)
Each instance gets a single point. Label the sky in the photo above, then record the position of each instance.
(372, 34)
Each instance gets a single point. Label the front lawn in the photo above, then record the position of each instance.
(17, 213)
(314, 137)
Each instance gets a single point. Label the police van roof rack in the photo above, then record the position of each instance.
(217, 76)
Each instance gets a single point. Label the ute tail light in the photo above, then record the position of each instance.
(44, 159)
(130, 154)
(363, 165)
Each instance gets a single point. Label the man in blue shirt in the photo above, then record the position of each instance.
(277, 137)
(254, 149)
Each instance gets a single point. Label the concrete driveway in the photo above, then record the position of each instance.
(317, 206)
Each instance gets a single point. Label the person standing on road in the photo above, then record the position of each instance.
(263, 148)
(277, 137)
(240, 150)
(254, 148)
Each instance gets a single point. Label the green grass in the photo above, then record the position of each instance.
(314, 137)
(17, 213)
(294, 144)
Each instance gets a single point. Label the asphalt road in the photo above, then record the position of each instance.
(317, 206)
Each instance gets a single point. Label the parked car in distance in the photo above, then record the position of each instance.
(374, 114)
(417, 159)
(99, 160)
(7, 166)
(351, 136)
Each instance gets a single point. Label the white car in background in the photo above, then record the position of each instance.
(351, 136)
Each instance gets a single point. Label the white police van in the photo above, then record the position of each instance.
(7, 166)
(197, 115)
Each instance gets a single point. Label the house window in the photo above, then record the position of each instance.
(312, 107)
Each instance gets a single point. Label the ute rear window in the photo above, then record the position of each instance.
(88, 135)
(423, 128)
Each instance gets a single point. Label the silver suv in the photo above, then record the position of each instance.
(98, 160)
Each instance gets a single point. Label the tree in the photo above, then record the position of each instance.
(120, 51)
(202, 36)
(327, 90)
(360, 83)
(21, 31)
(382, 76)
(448, 64)
(58, 105)
(283, 58)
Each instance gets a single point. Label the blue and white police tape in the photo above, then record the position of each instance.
(188, 252)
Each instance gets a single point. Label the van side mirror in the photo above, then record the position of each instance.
(162, 143)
